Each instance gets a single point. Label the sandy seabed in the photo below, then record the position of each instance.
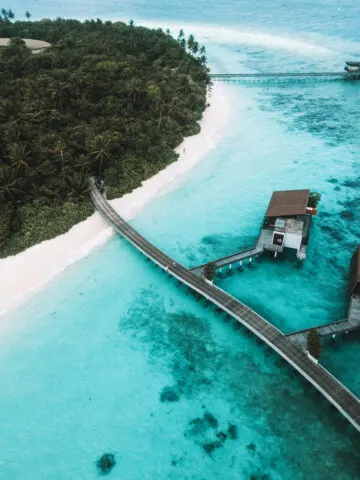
(23, 275)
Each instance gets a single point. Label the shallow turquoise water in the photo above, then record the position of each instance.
(91, 364)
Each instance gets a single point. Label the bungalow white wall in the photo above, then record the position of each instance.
(292, 240)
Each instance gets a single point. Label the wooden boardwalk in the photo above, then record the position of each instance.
(352, 322)
(230, 260)
(307, 76)
(346, 402)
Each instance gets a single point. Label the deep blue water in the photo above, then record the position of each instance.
(114, 357)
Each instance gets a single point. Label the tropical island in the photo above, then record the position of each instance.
(106, 99)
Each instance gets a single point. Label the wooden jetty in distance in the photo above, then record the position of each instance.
(332, 389)
(351, 72)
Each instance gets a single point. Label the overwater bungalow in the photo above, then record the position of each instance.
(352, 67)
(287, 222)
(354, 284)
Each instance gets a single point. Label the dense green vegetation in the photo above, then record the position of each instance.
(209, 271)
(106, 99)
(314, 344)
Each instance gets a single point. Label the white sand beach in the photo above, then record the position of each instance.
(22, 275)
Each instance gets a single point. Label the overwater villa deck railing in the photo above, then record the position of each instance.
(270, 247)
(346, 402)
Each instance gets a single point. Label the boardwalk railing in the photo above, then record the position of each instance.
(347, 403)
(229, 259)
(285, 75)
(352, 322)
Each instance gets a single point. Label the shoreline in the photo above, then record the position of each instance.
(23, 275)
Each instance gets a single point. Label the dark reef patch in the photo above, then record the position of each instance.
(211, 446)
(313, 112)
(216, 246)
(205, 370)
(232, 431)
(169, 395)
(205, 433)
(333, 232)
(198, 426)
(352, 183)
(105, 463)
(184, 340)
(262, 476)
(286, 392)
(221, 436)
(347, 214)
(176, 460)
(353, 203)
(210, 419)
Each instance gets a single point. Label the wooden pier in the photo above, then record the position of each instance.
(346, 402)
(236, 258)
(283, 76)
(352, 322)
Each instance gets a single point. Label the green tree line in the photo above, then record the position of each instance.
(106, 99)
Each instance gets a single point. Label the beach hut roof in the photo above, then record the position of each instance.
(355, 272)
(30, 43)
(353, 63)
(288, 203)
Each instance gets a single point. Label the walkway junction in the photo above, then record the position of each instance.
(346, 402)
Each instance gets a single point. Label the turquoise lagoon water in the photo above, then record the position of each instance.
(113, 357)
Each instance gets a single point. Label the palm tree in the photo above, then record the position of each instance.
(190, 42)
(135, 88)
(12, 133)
(8, 184)
(83, 162)
(101, 152)
(27, 14)
(4, 13)
(11, 14)
(18, 155)
(79, 83)
(60, 93)
(59, 148)
(7, 110)
(78, 185)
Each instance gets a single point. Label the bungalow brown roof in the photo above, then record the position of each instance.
(288, 203)
(354, 286)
